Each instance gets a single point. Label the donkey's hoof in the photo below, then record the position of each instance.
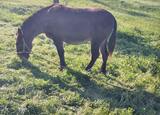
(104, 72)
(61, 68)
(88, 70)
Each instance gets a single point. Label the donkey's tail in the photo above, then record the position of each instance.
(112, 40)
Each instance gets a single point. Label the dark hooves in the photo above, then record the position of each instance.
(100, 71)
(88, 69)
(104, 72)
(61, 68)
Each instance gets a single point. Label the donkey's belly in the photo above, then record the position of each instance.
(76, 40)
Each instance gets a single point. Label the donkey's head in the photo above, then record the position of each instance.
(22, 47)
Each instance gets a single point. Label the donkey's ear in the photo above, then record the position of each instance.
(19, 32)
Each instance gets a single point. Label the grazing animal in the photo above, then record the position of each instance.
(70, 25)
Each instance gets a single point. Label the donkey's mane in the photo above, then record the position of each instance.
(34, 16)
(59, 6)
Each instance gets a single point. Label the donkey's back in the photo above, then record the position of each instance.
(75, 24)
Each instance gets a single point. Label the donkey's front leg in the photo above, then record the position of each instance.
(60, 50)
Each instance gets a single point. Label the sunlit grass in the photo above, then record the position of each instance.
(38, 87)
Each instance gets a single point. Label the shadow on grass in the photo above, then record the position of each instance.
(134, 45)
(36, 72)
(118, 97)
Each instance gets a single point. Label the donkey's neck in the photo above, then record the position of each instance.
(31, 27)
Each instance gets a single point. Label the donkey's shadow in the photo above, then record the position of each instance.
(118, 97)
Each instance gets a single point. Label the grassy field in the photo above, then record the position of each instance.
(38, 87)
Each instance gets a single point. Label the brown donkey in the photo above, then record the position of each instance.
(70, 25)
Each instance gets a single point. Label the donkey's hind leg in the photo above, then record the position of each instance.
(105, 55)
(95, 54)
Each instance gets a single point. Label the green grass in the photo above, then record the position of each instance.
(38, 87)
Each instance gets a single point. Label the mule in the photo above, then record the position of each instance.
(70, 25)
